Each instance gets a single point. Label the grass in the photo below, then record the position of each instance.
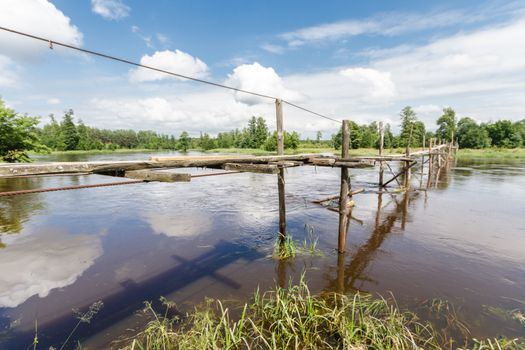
(288, 248)
(293, 318)
(101, 151)
(487, 153)
(492, 153)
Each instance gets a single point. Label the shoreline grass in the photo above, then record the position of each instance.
(492, 153)
(293, 318)
(487, 153)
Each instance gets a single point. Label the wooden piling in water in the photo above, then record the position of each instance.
(381, 146)
(280, 175)
(408, 170)
(345, 187)
(430, 162)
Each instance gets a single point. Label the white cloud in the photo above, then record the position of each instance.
(163, 39)
(467, 63)
(53, 101)
(388, 24)
(263, 80)
(177, 62)
(8, 76)
(375, 84)
(110, 9)
(59, 260)
(168, 113)
(277, 49)
(35, 17)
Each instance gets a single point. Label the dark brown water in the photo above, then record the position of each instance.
(462, 241)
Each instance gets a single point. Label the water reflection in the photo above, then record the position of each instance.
(16, 210)
(59, 260)
(126, 300)
(186, 223)
(348, 273)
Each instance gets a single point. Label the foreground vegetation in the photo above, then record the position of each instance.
(292, 318)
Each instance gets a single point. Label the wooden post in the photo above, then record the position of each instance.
(345, 186)
(381, 145)
(407, 166)
(280, 176)
(430, 162)
(280, 133)
(422, 163)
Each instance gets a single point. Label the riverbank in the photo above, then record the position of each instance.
(462, 153)
(492, 153)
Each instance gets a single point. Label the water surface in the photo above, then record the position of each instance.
(463, 240)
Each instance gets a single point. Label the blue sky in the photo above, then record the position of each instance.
(358, 60)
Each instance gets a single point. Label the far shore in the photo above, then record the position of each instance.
(487, 153)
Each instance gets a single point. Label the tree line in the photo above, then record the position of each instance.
(20, 134)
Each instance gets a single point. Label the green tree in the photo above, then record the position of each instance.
(184, 141)
(447, 124)
(261, 132)
(412, 129)
(503, 133)
(18, 134)
(69, 131)
(472, 135)
(318, 137)
(291, 141)
(206, 142)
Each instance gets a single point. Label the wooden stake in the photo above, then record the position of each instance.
(381, 145)
(343, 196)
(280, 133)
(430, 161)
(407, 167)
(280, 176)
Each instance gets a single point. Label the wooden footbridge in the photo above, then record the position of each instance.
(437, 155)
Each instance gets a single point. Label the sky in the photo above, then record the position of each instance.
(357, 60)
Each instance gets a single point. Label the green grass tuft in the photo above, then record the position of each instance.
(293, 318)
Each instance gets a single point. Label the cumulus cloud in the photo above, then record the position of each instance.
(263, 80)
(110, 9)
(37, 17)
(375, 84)
(59, 260)
(174, 61)
(479, 61)
(185, 111)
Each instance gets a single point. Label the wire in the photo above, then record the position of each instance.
(122, 60)
(310, 111)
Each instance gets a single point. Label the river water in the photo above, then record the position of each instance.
(461, 241)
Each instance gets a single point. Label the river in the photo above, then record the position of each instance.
(462, 241)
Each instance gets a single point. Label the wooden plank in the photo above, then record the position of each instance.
(160, 176)
(354, 164)
(252, 168)
(287, 163)
(122, 166)
(322, 161)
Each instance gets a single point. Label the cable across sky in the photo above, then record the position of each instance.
(122, 60)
